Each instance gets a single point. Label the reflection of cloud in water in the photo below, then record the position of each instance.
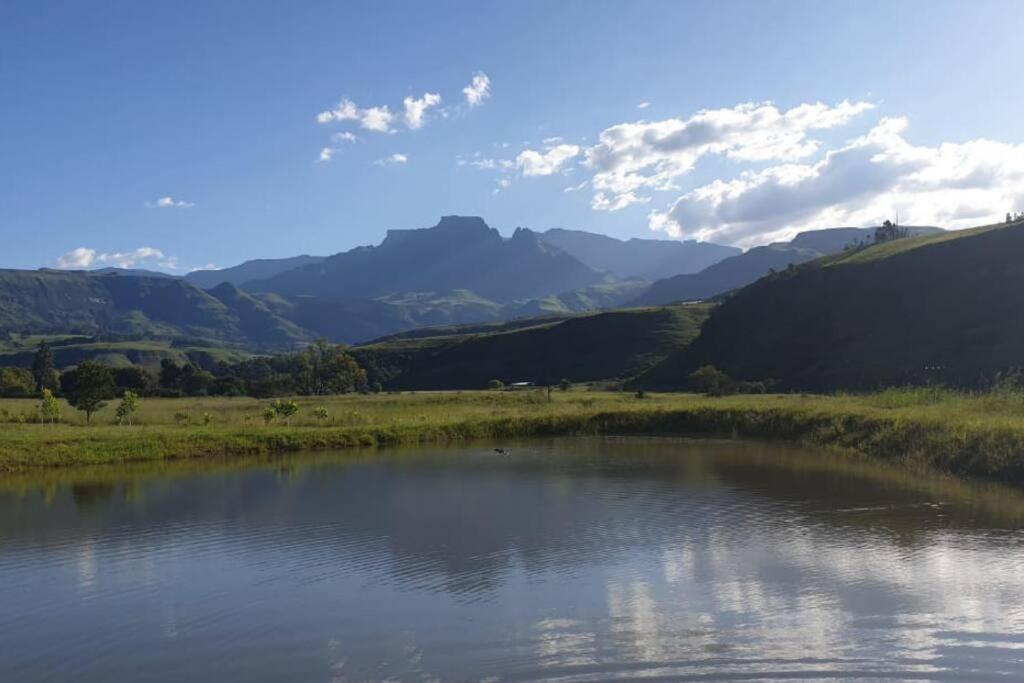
(609, 560)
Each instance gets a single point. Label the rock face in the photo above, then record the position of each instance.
(458, 253)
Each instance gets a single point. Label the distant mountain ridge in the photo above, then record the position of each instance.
(459, 253)
(740, 271)
(256, 269)
(647, 259)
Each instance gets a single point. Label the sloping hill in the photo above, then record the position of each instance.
(257, 269)
(56, 302)
(943, 308)
(599, 346)
(646, 259)
(459, 253)
(739, 271)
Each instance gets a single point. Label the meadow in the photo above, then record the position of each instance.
(965, 434)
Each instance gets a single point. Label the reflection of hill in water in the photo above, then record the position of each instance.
(586, 558)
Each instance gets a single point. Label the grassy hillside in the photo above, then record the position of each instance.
(608, 345)
(940, 308)
(739, 271)
(147, 353)
(56, 303)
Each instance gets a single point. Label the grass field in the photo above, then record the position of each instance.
(973, 435)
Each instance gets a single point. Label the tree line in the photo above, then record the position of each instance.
(317, 370)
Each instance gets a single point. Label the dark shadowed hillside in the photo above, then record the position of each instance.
(943, 308)
(609, 345)
(458, 253)
(638, 258)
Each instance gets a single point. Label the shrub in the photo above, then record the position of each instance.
(495, 384)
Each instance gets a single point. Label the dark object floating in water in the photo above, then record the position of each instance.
(501, 451)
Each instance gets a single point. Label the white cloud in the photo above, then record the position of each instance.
(488, 164)
(871, 178)
(377, 119)
(325, 154)
(343, 136)
(169, 203)
(396, 158)
(83, 257)
(652, 155)
(345, 111)
(643, 105)
(415, 109)
(77, 258)
(478, 90)
(534, 163)
(576, 188)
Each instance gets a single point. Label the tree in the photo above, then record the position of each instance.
(137, 379)
(285, 409)
(88, 387)
(890, 231)
(320, 413)
(565, 385)
(710, 380)
(495, 384)
(49, 408)
(16, 383)
(324, 368)
(127, 407)
(42, 367)
(169, 374)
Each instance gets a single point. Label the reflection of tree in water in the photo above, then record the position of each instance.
(88, 495)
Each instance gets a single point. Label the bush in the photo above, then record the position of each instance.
(495, 384)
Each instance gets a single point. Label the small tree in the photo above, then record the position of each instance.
(49, 408)
(320, 413)
(127, 407)
(269, 414)
(42, 367)
(285, 409)
(565, 385)
(495, 384)
(88, 387)
(710, 380)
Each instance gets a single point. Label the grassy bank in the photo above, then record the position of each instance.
(975, 435)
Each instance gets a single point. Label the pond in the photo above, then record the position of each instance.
(569, 559)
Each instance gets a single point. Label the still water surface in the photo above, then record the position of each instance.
(565, 560)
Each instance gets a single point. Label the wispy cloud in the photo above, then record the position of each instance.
(643, 105)
(478, 90)
(169, 203)
(416, 109)
(549, 162)
(393, 159)
(84, 258)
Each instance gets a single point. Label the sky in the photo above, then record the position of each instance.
(183, 135)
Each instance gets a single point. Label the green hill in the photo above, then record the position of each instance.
(598, 346)
(740, 271)
(939, 308)
(51, 302)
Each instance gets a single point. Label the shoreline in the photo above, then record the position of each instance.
(969, 446)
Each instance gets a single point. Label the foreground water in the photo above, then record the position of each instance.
(569, 560)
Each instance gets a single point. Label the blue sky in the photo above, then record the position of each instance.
(106, 108)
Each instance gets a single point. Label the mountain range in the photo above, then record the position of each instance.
(827, 310)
